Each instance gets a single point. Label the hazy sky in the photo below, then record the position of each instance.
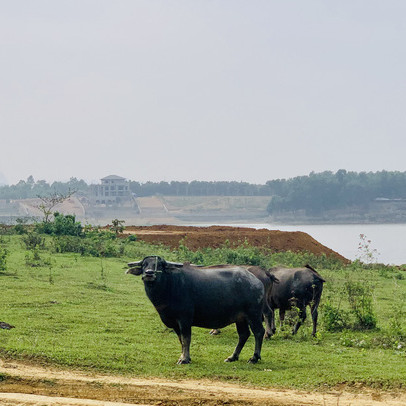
(200, 89)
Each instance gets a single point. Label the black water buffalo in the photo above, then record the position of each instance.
(297, 287)
(267, 279)
(185, 295)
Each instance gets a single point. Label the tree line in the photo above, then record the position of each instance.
(26, 189)
(314, 193)
(30, 188)
(198, 188)
(323, 191)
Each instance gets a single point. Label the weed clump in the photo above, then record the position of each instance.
(3, 258)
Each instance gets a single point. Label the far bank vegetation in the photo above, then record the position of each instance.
(346, 196)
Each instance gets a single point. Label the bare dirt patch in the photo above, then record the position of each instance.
(26, 384)
(216, 236)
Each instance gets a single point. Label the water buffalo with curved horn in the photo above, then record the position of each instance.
(185, 295)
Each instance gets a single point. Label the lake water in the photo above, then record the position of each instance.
(389, 240)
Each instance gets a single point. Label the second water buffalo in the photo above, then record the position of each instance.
(297, 287)
(267, 279)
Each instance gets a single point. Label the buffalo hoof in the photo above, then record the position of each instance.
(182, 361)
(254, 359)
(215, 332)
(231, 359)
(268, 335)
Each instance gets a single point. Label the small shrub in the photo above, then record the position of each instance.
(3, 258)
(97, 245)
(34, 259)
(118, 226)
(21, 226)
(360, 300)
(334, 319)
(292, 317)
(33, 240)
(67, 243)
(397, 321)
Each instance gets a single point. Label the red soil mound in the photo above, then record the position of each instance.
(215, 236)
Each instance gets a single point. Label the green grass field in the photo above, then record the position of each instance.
(84, 312)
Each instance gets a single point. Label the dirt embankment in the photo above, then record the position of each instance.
(216, 236)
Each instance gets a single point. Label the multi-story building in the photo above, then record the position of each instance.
(113, 190)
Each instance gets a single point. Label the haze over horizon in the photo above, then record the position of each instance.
(212, 91)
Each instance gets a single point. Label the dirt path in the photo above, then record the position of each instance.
(36, 385)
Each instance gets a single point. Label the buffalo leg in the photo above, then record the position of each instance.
(185, 335)
(302, 318)
(243, 334)
(315, 314)
(258, 330)
(273, 327)
(281, 316)
(177, 331)
(268, 317)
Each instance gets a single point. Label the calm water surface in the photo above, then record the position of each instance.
(389, 240)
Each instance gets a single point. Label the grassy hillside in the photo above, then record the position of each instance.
(84, 312)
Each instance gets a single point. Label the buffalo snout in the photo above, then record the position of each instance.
(149, 275)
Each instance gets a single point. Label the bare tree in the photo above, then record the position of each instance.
(48, 203)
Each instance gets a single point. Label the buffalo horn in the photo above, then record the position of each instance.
(134, 264)
(177, 264)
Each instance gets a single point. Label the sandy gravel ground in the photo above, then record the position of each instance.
(40, 385)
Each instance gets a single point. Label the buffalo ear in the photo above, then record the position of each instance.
(273, 278)
(134, 271)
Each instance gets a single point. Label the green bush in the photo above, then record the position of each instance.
(397, 321)
(21, 227)
(101, 245)
(118, 226)
(360, 300)
(61, 225)
(334, 319)
(33, 240)
(3, 258)
(34, 259)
